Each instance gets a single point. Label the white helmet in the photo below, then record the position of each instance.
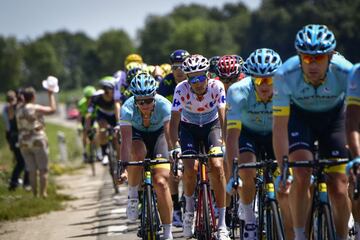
(195, 63)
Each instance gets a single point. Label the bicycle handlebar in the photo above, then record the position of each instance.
(141, 163)
(200, 156)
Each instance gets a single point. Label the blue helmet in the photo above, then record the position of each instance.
(131, 74)
(142, 85)
(178, 56)
(262, 62)
(315, 39)
(213, 63)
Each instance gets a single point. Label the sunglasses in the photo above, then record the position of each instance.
(260, 80)
(197, 79)
(174, 67)
(307, 59)
(228, 80)
(144, 101)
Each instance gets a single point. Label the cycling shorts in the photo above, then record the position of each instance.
(110, 119)
(192, 135)
(328, 128)
(251, 141)
(155, 143)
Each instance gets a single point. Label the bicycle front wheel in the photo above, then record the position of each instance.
(206, 216)
(112, 167)
(92, 149)
(322, 224)
(150, 227)
(273, 219)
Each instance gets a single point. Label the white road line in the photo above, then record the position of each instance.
(118, 211)
(116, 230)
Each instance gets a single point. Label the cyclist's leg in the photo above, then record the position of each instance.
(189, 145)
(332, 144)
(217, 177)
(300, 146)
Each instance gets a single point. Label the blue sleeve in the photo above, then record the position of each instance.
(126, 113)
(353, 88)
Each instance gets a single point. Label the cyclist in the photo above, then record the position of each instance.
(144, 125)
(166, 89)
(103, 105)
(82, 106)
(308, 105)
(353, 134)
(229, 70)
(249, 122)
(199, 107)
(168, 84)
(213, 65)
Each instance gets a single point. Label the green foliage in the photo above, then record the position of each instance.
(112, 48)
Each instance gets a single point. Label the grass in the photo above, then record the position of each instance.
(20, 203)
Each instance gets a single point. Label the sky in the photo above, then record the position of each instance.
(29, 19)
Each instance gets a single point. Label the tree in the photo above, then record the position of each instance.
(40, 61)
(112, 47)
(10, 63)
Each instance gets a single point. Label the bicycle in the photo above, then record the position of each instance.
(150, 221)
(91, 149)
(205, 223)
(110, 151)
(236, 224)
(321, 221)
(267, 205)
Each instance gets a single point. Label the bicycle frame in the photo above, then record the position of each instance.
(267, 199)
(320, 200)
(205, 224)
(150, 220)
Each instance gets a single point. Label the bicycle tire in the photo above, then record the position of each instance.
(112, 163)
(261, 210)
(151, 231)
(276, 222)
(206, 216)
(329, 223)
(236, 225)
(92, 149)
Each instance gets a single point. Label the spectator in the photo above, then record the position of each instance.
(32, 137)
(12, 138)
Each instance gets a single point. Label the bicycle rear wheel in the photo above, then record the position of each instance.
(112, 166)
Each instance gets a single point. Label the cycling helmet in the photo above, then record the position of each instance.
(195, 63)
(88, 91)
(213, 63)
(133, 58)
(142, 85)
(315, 39)
(178, 56)
(132, 65)
(262, 62)
(229, 66)
(131, 74)
(166, 68)
(107, 82)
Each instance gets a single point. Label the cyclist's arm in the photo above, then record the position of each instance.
(352, 129)
(221, 112)
(280, 137)
(126, 138)
(174, 128)
(117, 111)
(232, 147)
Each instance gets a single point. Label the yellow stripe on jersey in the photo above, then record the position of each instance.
(230, 124)
(353, 101)
(281, 111)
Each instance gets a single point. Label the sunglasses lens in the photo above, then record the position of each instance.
(259, 81)
(197, 79)
(307, 59)
(144, 101)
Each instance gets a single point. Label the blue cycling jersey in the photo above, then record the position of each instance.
(353, 90)
(291, 87)
(131, 116)
(167, 87)
(245, 108)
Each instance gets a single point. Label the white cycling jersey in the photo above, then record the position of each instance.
(197, 110)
